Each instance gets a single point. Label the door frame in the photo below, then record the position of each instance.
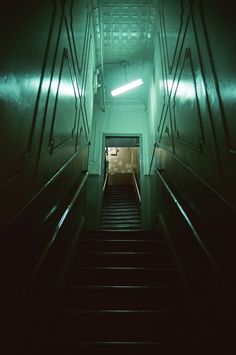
(125, 135)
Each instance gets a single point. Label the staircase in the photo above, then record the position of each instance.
(121, 210)
(123, 295)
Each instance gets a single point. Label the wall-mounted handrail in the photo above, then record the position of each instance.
(153, 153)
(187, 220)
(58, 227)
(105, 180)
(136, 186)
(100, 15)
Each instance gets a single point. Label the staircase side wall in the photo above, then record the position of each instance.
(192, 109)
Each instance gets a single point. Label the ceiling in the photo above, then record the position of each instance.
(124, 38)
(123, 29)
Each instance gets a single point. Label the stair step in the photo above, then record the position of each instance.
(125, 245)
(122, 203)
(123, 259)
(122, 295)
(121, 226)
(117, 209)
(113, 214)
(122, 235)
(120, 199)
(122, 211)
(124, 275)
(112, 348)
(119, 325)
(120, 220)
(127, 223)
(128, 214)
(126, 296)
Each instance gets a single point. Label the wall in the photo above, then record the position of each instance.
(121, 119)
(192, 112)
(129, 119)
(46, 96)
(46, 106)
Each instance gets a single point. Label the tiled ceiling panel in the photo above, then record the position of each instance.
(126, 28)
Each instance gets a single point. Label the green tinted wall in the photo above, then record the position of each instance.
(192, 112)
(46, 77)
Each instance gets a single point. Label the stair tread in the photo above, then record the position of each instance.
(146, 287)
(122, 268)
(123, 293)
(121, 311)
(124, 252)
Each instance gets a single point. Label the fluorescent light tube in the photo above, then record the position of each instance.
(127, 87)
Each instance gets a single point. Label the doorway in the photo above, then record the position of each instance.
(122, 161)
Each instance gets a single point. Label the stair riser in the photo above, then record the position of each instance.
(123, 259)
(122, 295)
(121, 227)
(117, 327)
(115, 348)
(117, 245)
(129, 298)
(124, 277)
(124, 235)
(120, 221)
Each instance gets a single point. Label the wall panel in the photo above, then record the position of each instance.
(219, 58)
(46, 104)
(194, 77)
(22, 67)
(46, 95)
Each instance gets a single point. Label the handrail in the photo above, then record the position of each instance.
(187, 219)
(105, 181)
(136, 186)
(100, 15)
(153, 153)
(58, 227)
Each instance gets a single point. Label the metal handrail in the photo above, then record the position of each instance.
(100, 15)
(58, 227)
(187, 220)
(153, 153)
(105, 181)
(136, 186)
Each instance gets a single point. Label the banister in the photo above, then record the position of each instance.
(105, 181)
(100, 15)
(58, 228)
(69, 207)
(187, 220)
(153, 153)
(136, 186)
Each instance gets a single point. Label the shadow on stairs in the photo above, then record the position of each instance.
(123, 295)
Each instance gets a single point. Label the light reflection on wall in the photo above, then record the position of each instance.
(13, 87)
(65, 89)
(182, 89)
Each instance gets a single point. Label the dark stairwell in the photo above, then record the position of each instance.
(124, 294)
(57, 71)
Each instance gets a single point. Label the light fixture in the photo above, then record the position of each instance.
(127, 87)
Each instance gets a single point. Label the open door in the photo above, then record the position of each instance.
(122, 161)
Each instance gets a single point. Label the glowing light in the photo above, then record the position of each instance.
(127, 87)
(182, 89)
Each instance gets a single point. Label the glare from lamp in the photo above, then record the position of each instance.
(127, 87)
